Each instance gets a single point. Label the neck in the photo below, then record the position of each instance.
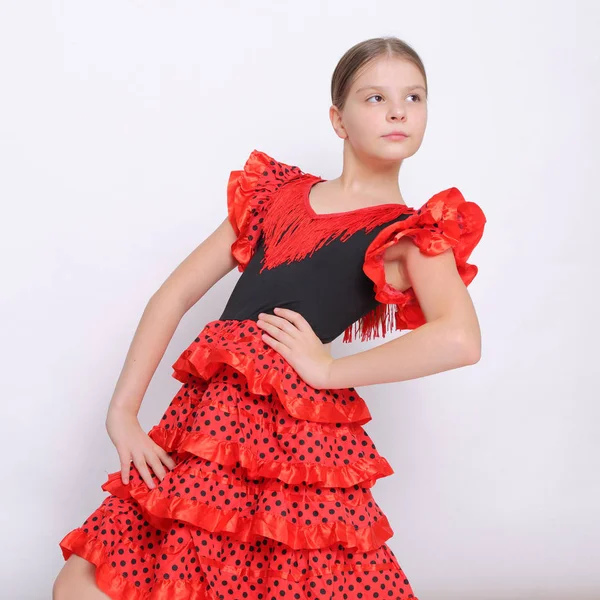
(369, 178)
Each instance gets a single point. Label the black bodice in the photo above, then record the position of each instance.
(328, 288)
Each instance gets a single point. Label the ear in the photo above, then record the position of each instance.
(335, 116)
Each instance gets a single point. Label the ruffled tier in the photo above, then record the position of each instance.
(362, 471)
(239, 344)
(222, 499)
(136, 561)
(222, 421)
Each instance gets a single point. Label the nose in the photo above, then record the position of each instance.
(397, 111)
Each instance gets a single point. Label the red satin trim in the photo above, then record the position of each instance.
(111, 582)
(225, 341)
(445, 221)
(331, 429)
(363, 471)
(355, 497)
(161, 511)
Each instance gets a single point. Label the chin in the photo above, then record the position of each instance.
(394, 153)
(391, 153)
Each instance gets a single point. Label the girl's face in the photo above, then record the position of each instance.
(387, 95)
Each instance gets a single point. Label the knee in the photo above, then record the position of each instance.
(71, 579)
(60, 587)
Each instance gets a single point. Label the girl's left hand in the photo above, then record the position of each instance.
(292, 336)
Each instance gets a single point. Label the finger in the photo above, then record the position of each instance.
(273, 331)
(294, 317)
(279, 322)
(276, 345)
(166, 459)
(154, 461)
(125, 463)
(143, 470)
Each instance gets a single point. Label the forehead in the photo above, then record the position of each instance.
(388, 72)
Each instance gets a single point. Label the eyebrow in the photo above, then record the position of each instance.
(377, 87)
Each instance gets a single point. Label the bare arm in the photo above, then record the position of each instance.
(450, 338)
(206, 265)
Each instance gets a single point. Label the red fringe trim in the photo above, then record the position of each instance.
(374, 324)
(363, 471)
(249, 193)
(291, 232)
(161, 512)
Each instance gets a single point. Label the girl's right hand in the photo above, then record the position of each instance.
(135, 445)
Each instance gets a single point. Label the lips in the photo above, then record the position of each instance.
(396, 137)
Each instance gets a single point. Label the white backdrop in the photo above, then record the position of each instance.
(119, 124)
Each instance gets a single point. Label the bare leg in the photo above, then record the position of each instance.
(77, 581)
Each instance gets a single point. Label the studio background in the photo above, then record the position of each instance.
(119, 125)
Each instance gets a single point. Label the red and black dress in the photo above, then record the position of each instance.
(271, 496)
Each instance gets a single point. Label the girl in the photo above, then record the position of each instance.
(257, 481)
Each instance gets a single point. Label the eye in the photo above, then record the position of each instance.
(416, 96)
(375, 96)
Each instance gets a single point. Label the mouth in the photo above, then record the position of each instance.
(396, 136)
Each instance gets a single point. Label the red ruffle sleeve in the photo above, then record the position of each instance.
(249, 191)
(445, 221)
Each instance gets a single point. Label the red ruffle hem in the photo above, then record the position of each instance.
(270, 496)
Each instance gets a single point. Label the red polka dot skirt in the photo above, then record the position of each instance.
(270, 498)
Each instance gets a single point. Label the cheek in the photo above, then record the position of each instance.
(419, 117)
(363, 125)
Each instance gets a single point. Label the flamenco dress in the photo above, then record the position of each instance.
(271, 496)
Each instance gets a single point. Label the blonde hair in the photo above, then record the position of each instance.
(361, 55)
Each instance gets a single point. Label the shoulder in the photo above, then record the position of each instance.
(252, 186)
(263, 169)
(399, 250)
(446, 220)
(250, 194)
